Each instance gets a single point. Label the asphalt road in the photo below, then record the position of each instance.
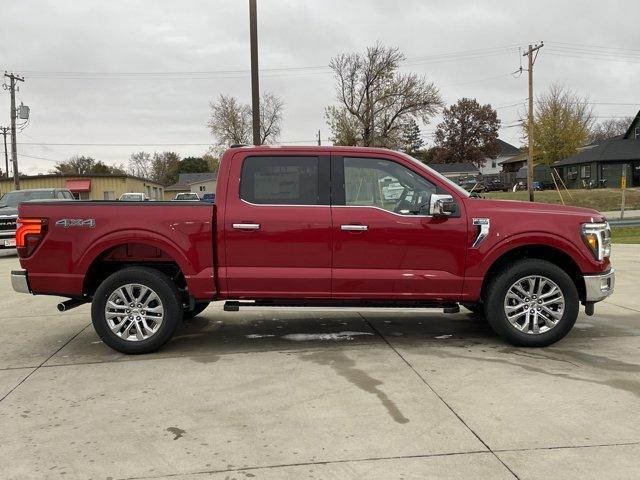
(293, 395)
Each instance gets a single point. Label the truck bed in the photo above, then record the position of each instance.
(87, 235)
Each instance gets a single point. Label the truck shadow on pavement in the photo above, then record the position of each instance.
(218, 333)
(234, 333)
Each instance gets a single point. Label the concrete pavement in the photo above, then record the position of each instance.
(293, 395)
(615, 214)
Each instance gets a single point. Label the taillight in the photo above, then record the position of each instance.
(29, 233)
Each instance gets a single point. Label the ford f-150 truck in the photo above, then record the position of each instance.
(315, 227)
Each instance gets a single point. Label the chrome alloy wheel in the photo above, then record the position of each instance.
(534, 304)
(134, 312)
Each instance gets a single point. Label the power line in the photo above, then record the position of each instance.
(207, 144)
(40, 158)
(583, 45)
(232, 72)
(605, 53)
(116, 144)
(485, 79)
(590, 57)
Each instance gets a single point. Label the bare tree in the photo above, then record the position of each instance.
(609, 128)
(380, 100)
(271, 109)
(230, 120)
(140, 165)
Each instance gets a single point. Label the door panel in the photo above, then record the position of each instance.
(274, 248)
(399, 256)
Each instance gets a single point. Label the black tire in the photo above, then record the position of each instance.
(198, 308)
(497, 291)
(166, 291)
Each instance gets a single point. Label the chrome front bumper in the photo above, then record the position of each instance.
(599, 287)
(19, 281)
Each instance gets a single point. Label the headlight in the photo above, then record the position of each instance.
(597, 236)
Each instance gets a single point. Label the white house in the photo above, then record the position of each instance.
(492, 165)
(192, 182)
(203, 186)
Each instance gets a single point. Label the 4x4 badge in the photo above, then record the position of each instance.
(76, 222)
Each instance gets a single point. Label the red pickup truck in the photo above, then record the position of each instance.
(316, 227)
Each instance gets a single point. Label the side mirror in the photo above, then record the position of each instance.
(441, 205)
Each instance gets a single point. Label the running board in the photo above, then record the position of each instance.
(236, 305)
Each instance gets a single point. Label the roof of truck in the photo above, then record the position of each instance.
(310, 149)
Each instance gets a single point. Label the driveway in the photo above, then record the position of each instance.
(297, 395)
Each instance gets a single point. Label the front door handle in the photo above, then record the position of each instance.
(246, 226)
(354, 228)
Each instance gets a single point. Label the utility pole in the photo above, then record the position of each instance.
(5, 131)
(319, 139)
(255, 88)
(14, 147)
(531, 59)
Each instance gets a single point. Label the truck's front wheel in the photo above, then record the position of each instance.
(532, 303)
(136, 310)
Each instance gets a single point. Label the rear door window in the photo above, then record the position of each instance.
(272, 180)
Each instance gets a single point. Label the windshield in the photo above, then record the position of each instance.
(438, 175)
(12, 199)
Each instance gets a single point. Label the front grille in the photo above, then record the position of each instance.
(7, 223)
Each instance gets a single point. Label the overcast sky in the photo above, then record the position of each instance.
(143, 72)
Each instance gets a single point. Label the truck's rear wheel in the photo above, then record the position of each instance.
(136, 310)
(532, 303)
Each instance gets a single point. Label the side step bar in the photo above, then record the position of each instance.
(236, 305)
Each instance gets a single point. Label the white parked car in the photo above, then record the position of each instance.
(134, 197)
(187, 196)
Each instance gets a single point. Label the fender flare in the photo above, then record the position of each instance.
(534, 239)
(145, 237)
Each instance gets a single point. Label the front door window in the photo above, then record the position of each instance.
(386, 185)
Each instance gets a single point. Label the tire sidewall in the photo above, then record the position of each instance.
(159, 283)
(497, 291)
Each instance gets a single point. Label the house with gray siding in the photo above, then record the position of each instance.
(602, 163)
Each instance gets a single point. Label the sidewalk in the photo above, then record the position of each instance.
(615, 214)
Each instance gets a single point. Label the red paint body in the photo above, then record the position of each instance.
(300, 252)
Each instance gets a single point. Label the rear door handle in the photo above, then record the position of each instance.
(354, 228)
(246, 226)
